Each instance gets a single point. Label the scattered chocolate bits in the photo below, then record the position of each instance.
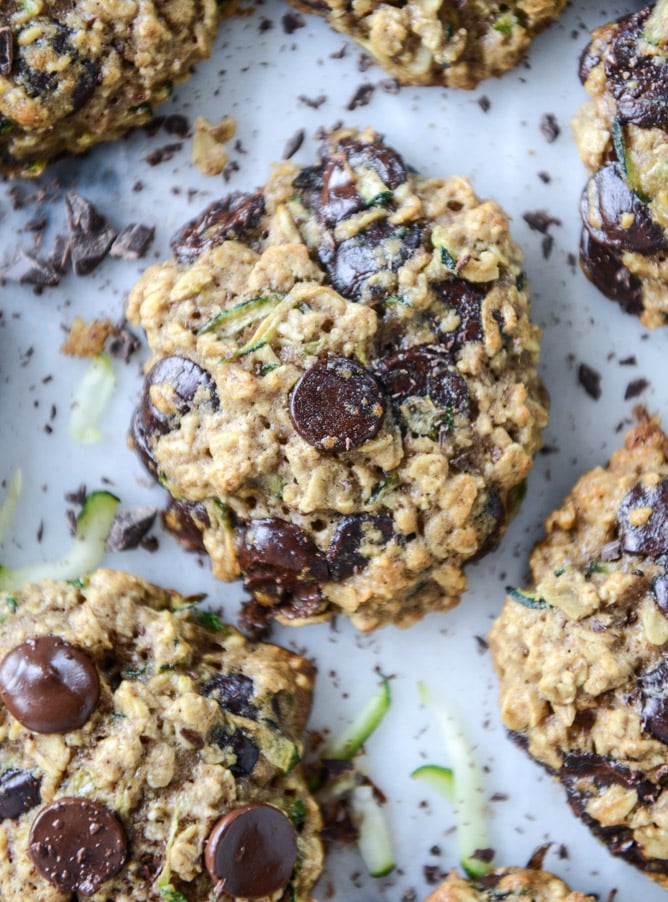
(337, 405)
(550, 127)
(643, 520)
(6, 50)
(19, 792)
(91, 236)
(251, 851)
(132, 242)
(48, 685)
(129, 528)
(590, 380)
(77, 844)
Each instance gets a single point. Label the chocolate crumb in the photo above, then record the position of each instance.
(499, 797)
(291, 22)
(177, 125)
(432, 874)
(546, 245)
(91, 236)
(635, 388)
(163, 154)
(629, 361)
(265, 25)
(590, 380)
(389, 86)
(364, 62)
(338, 54)
(78, 496)
(313, 102)
(540, 220)
(124, 343)
(129, 528)
(481, 643)
(550, 127)
(545, 177)
(484, 103)
(133, 242)
(294, 143)
(408, 895)
(361, 97)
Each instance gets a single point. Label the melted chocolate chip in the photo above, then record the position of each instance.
(337, 405)
(654, 690)
(604, 772)
(383, 160)
(186, 520)
(233, 692)
(352, 534)
(77, 844)
(251, 851)
(356, 265)
(339, 197)
(466, 299)
(235, 216)
(605, 269)
(19, 792)
(49, 685)
(243, 747)
(616, 217)
(660, 590)
(650, 537)
(185, 380)
(91, 236)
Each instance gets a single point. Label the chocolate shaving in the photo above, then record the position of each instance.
(590, 380)
(550, 127)
(293, 144)
(129, 528)
(635, 387)
(133, 242)
(91, 236)
(361, 97)
(27, 269)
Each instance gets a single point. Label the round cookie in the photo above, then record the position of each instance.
(77, 72)
(622, 136)
(447, 43)
(343, 398)
(581, 655)
(524, 884)
(143, 746)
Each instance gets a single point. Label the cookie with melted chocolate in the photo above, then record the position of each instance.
(510, 884)
(342, 396)
(581, 652)
(145, 746)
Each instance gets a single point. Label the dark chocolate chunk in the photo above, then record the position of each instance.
(635, 387)
(251, 851)
(654, 690)
(603, 772)
(129, 528)
(337, 405)
(590, 380)
(233, 692)
(19, 792)
(465, 298)
(235, 216)
(49, 685)
(339, 197)
(605, 269)
(91, 236)
(77, 844)
(353, 542)
(357, 266)
(383, 160)
(133, 242)
(616, 217)
(361, 97)
(649, 538)
(28, 269)
(243, 747)
(278, 556)
(550, 127)
(184, 381)
(6, 50)
(186, 520)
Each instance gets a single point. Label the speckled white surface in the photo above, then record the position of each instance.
(258, 75)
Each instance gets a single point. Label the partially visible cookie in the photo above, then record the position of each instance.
(143, 745)
(581, 654)
(75, 73)
(622, 135)
(523, 884)
(343, 398)
(448, 43)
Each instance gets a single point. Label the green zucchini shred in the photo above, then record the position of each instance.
(238, 316)
(505, 23)
(211, 621)
(448, 260)
(387, 483)
(169, 894)
(534, 602)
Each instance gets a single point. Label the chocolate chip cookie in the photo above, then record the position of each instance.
(525, 884)
(148, 751)
(448, 43)
(622, 135)
(342, 399)
(77, 72)
(581, 653)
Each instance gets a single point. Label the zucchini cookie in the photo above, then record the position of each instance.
(343, 399)
(143, 746)
(77, 72)
(622, 135)
(524, 884)
(582, 655)
(440, 43)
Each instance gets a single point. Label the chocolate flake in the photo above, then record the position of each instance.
(540, 221)
(313, 102)
(28, 269)
(291, 22)
(361, 97)
(590, 380)
(6, 50)
(133, 242)
(550, 127)
(293, 144)
(163, 154)
(129, 528)
(635, 387)
(91, 236)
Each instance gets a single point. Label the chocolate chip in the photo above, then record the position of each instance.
(590, 380)
(232, 692)
(133, 242)
(91, 236)
(19, 792)
(654, 689)
(337, 405)
(6, 50)
(651, 536)
(376, 155)
(49, 685)
(604, 771)
(353, 542)
(605, 269)
(251, 851)
(183, 381)
(186, 520)
(616, 217)
(129, 528)
(232, 217)
(465, 298)
(339, 197)
(77, 844)
(243, 747)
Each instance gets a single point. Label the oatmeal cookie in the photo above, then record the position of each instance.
(342, 398)
(622, 135)
(440, 43)
(524, 884)
(77, 72)
(142, 744)
(581, 655)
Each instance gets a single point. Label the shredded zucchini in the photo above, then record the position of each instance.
(90, 399)
(351, 740)
(373, 840)
(9, 506)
